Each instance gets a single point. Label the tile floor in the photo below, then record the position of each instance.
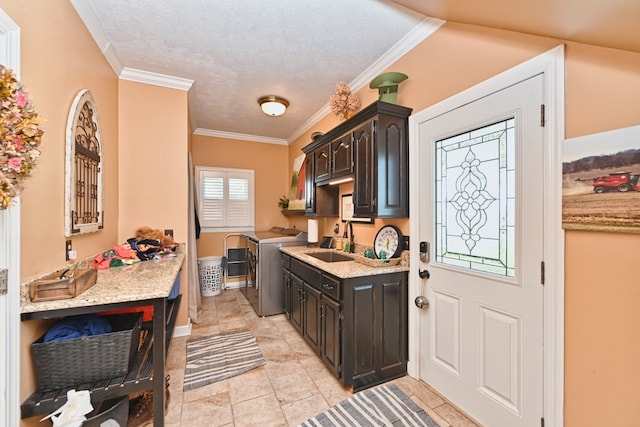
(293, 386)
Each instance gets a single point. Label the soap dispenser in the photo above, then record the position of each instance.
(336, 237)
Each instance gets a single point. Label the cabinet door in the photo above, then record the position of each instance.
(286, 280)
(297, 289)
(392, 149)
(309, 185)
(342, 156)
(393, 318)
(322, 157)
(374, 329)
(364, 186)
(330, 338)
(311, 317)
(360, 334)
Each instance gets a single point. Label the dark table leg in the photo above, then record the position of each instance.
(159, 343)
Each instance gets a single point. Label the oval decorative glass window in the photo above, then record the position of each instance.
(83, 171)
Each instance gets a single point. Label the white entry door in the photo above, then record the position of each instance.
(481, 211)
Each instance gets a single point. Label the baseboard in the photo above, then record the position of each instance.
(182, 331)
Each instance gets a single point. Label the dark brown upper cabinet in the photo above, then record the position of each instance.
(373, 147)
(342, 156)
(322, 163)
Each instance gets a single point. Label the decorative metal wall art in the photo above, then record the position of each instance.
(83, 188)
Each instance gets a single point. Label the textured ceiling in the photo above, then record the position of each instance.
(231, 52)
(236, 51)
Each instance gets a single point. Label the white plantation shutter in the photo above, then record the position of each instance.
(225, 198)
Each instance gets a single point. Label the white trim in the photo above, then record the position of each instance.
(418, 34)
(88, 16)
(182, 331)
(240, 136)
(551, 63)
(10, 258)
(157, 79)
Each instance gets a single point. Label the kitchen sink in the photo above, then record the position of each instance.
(330, 256)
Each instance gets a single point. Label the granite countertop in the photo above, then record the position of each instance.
(143, 280)
(344, 269)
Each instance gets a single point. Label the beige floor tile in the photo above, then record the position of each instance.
(249, 385)
(300, 410)
(210, 411)
(293, 386)
(261, 411)
(290, 388)
(453, 416)
(331, 389)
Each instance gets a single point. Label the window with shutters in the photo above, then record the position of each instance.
(225, 199)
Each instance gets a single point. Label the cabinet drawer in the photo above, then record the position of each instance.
(286, 261)
(331, 287)
(307, 273)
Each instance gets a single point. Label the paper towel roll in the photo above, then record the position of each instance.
(312, 230)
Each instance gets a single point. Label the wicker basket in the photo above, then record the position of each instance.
(375, 262)
(61, 364)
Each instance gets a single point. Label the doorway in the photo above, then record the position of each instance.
(483, 201)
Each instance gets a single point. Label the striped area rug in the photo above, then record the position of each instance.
(221, 356)
(385, 405)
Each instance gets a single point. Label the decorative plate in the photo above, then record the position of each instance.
(389, 241)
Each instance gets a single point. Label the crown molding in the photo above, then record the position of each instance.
(240, 136)
(87, 15)
(416, 36)
(157, 79)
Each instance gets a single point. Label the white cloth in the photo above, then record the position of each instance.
(72, 413)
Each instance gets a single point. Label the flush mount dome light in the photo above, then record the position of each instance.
(387, 85)
(273, 105)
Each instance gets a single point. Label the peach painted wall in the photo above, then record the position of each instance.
(602, 288)
(272, 175)
(153, 161)
(58, 59)
(602, 93)
(456, 57)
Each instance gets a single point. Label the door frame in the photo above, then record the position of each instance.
(10, 259)
(551, 63)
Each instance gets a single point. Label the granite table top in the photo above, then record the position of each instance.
(137, 282)
(343, 269)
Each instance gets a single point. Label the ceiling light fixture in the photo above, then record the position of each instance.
(273, 105)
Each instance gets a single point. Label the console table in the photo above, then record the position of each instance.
(142, 284)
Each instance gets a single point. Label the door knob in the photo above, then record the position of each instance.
(424, 274)
(421, 302)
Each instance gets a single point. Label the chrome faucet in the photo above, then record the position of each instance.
(351, 238)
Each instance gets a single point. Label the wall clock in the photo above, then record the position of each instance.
(388, 240)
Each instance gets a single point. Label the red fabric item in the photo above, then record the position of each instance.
(147, 312)
(121, 252)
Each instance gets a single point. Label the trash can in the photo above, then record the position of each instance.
(210, 270)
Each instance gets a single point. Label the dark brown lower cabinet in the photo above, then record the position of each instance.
(375, 329)
(358, 326)
(311, 313)
(330, 335)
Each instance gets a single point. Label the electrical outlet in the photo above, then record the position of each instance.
(67, 250)
(405, 243)
(169, 232)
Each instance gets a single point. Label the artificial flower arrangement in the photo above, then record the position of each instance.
(20, 136)
(343, 102)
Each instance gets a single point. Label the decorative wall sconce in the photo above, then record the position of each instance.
(273, 105)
